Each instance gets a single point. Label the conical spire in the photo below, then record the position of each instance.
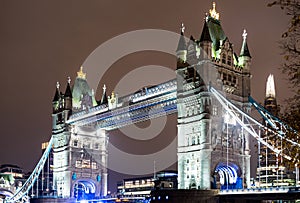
(182, 43)
(57, 93)
(68, 92)
(205, 36)
(104, 96)
(270, 87)
(244, 50)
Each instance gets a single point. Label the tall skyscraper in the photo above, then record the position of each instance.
(271, 169)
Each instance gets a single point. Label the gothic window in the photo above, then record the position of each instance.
(224, 76)
(75, 144)
(78, 164)
(234, 79)
(215, 110)
(229, 78)
(187, 161)
(224, 58)
(96, 145)
(229, 60)
(94, 165)
(87, 145)
(193, 140)
(86, 163)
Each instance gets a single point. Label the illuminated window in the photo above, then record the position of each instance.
(78, 164)
(86, 163)
(215, 110)
(94, 165)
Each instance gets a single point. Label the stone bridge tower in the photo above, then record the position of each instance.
(213, 151)
(79, 152)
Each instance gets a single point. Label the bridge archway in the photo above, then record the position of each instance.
(227, 176)
(84, 189)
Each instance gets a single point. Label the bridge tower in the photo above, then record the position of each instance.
(213, 151)
(79, 152)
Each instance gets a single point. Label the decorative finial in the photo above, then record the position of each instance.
(213, 12)
(69, 79)
(81, 74)
(57, 85)
(104, 88)
(244, 34)
(182, 28)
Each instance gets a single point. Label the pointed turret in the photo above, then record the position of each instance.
(55, 101)
(68, 92)
(245, 57)
(104, 96)
(181, 48)
(205, 42)
(244, 50)
(68, 96)
(205, 36)
(57, 94)
(181, 43)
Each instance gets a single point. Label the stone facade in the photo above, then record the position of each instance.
(213, 151)
(79, 152)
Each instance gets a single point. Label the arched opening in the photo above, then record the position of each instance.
(84, 190)
(227, 177)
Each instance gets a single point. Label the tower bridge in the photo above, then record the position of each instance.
(210, 96)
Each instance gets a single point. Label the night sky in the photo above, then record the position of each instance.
(42, 42)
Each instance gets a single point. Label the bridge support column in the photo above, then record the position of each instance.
(104, 185)
(205, 168)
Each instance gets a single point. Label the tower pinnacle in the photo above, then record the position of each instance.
(182, 28)
(270, 87)
(213, 12)
(81, 74)
(245, 50)
(244, 34)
